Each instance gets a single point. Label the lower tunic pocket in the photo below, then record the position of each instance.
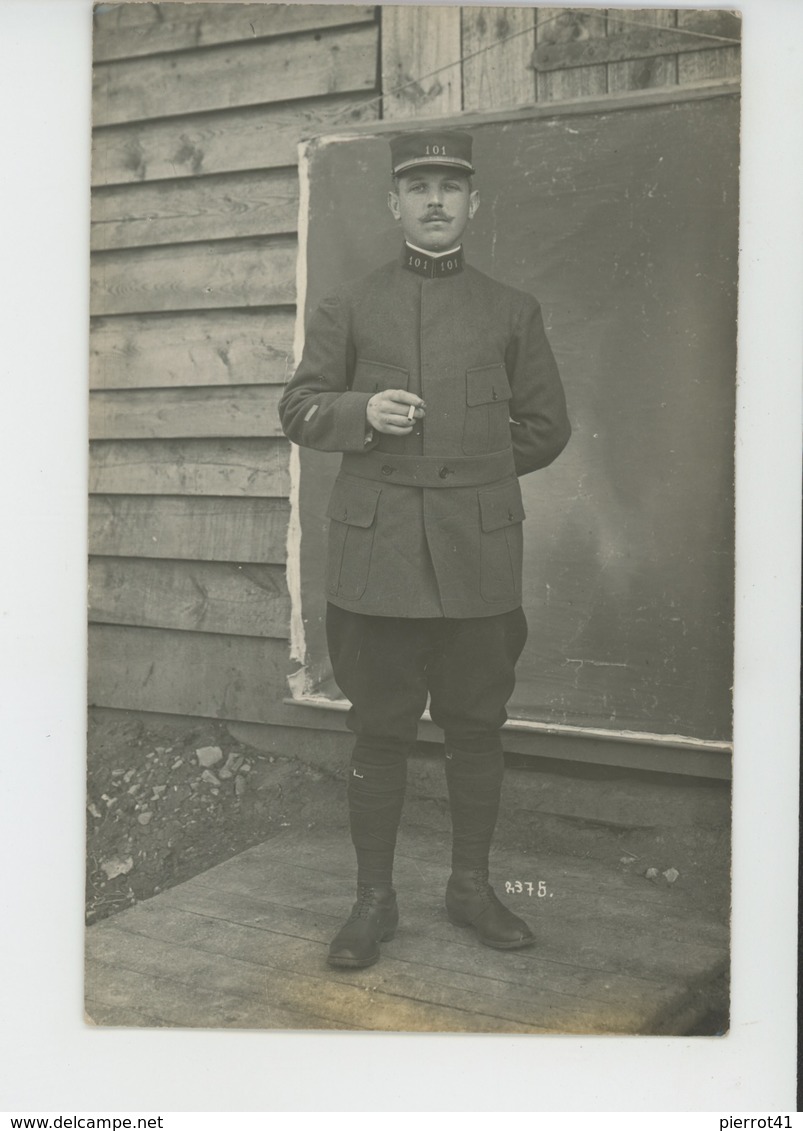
(352, 514)
(501, 542)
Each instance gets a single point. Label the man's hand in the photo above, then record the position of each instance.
(389, 411)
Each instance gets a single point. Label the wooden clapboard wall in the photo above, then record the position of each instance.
(198, 109)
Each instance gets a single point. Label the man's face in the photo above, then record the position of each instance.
(434, 206)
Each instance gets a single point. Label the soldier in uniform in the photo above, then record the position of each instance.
(438, 385)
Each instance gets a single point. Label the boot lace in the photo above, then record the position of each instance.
(483, 888)
(366, 901)
(478, 879)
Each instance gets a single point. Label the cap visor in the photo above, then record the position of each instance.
(446, 162)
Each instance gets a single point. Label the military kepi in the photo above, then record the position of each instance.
(450, 148)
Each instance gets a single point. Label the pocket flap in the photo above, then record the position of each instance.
(501, 506)
(374, 376)
(353, 503)
(487, 384)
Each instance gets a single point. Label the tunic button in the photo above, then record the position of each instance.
(387, 469)
(510, 516)
(443, 472)
(494, 395)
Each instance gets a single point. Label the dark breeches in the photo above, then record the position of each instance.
(386, 667)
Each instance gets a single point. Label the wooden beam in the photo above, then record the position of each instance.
(210, 348)
(417, 40)
(554, 56)
(194, 673)
(242, 74)
(198, 276)
(519, 737)
(252, 468)
(562, 30)
(190, 527)
(251, 410)
(126, 30)
(501, 75)
(567, 109)
(240, 600)
(250, 137)
(258, 203)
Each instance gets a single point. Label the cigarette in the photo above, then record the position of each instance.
(411, 412)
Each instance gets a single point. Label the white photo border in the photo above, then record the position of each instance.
(53, 1062)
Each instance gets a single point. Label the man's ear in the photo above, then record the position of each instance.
(473, 202)
(393, 204)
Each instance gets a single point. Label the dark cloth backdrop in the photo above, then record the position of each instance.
(623, 223)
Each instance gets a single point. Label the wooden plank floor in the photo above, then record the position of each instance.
(244, 946)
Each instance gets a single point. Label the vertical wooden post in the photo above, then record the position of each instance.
(416, 41)
(502, 75)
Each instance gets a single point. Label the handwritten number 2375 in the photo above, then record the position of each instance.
(517, 887)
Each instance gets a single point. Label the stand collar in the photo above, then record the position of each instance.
(431, 266)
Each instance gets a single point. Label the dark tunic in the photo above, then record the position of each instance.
(428, 524)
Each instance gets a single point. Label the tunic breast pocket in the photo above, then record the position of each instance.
(352, 514)
(487, 421)
(374, 376)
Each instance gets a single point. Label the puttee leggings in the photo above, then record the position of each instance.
(387, 667)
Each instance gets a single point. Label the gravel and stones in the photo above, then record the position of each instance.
(166, 802)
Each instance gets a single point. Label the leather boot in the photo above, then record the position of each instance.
(374, 919)
(472, 902)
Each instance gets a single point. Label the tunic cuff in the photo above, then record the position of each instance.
(354, 434)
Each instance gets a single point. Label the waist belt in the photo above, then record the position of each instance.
(430, 471)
